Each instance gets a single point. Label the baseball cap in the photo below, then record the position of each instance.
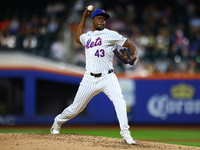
(100, 12)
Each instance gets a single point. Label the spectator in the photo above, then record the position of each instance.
(53, 25)
(43, 26)
(161, 65)
(7, 40)
(34, 25)
(10, 40)
(14, 25)
(57, 50)
(30, 41)
(5, 24)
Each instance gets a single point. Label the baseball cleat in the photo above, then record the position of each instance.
(128, 139)
(55, 129)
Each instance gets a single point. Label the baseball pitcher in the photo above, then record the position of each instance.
(100, 47)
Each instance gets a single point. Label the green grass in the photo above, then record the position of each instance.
(180, 137)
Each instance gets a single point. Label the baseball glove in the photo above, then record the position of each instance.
(125, 56)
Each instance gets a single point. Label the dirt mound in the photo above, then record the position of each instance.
(32, 141)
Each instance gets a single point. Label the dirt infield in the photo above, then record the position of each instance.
(46, 141)
(41, 141)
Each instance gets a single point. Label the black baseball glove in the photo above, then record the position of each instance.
(125, 55)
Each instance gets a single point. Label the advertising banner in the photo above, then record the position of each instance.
(167, 102)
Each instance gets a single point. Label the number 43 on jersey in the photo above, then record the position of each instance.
(100, 53)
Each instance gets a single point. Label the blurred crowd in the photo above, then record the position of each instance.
(167, 35)
(32, 31)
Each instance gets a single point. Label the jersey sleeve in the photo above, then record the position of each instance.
(82, 38)
(117, 38)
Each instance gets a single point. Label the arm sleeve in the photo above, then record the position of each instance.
(82, 39)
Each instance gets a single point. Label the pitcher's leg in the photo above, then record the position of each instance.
(120, 108)
(114, 92)
(83, 96)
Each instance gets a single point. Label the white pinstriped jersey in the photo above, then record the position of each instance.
(99, 46)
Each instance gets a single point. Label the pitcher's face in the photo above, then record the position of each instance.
(99, 22)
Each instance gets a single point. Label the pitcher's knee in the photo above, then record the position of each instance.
(73, 111)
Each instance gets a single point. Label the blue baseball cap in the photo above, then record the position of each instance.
(102, 12)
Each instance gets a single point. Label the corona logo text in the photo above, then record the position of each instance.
(161, 106)
(180, 102)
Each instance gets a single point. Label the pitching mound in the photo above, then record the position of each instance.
(31, 141)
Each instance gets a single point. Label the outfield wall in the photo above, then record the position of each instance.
(35, 95)
(152, 101)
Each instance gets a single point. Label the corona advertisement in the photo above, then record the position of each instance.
(168, 102)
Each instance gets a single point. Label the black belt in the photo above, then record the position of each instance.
(99, 74)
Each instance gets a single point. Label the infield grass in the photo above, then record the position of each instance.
(180, 137)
